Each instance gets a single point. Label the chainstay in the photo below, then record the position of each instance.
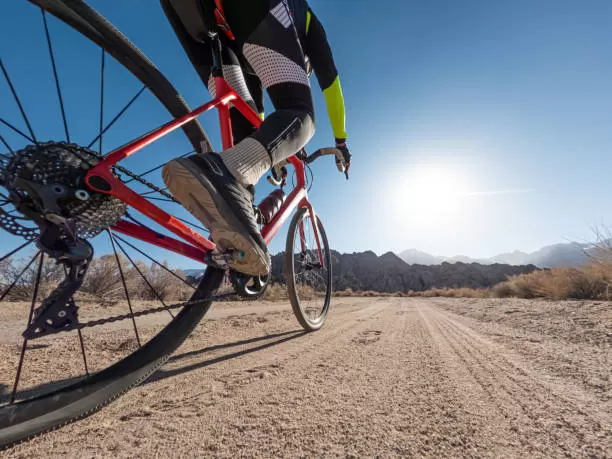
(130, 174)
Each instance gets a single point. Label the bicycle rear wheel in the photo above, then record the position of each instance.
(309, 282)
(123, 359)
(29, 417)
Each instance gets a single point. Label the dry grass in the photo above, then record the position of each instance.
(463, 292)
(278, 292)
(591, 281)
(349, 292)
(275, 292)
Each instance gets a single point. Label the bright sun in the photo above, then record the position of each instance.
(433, 191)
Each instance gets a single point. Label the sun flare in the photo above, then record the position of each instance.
(433, 191)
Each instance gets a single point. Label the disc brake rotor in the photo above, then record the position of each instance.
(46, 183)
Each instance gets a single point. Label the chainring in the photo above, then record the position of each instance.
(46, 182)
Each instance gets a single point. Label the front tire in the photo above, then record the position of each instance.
(309, 284)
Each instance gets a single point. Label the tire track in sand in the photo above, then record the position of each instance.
(534, 414)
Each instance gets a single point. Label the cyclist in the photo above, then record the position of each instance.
(264, 43)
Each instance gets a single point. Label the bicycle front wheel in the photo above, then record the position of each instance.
(309, 281)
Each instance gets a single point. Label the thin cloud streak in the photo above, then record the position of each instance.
(496, 192)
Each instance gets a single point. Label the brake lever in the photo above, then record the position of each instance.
(275, 180)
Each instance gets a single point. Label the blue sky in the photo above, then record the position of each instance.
(477, 126)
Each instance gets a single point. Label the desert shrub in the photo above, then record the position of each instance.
(591, 281)
(275, 292)
(161, 283)
(102, 282)
(22, 277)
(465, 292)
(103, 279)
(462, 292)
(585, 283)
(345, 292)
(502, 290)
(526, 285)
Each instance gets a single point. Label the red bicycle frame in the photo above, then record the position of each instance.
(193, 245)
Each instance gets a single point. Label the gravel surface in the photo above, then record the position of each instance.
(384, 377)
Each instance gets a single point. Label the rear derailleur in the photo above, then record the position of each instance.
(58, 310)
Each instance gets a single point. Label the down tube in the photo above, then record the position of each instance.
(160, 240)
(297, 196)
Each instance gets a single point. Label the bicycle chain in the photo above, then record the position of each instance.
(96, 323)
(138, 178)
(132, 175)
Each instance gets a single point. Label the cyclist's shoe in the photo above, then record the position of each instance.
(204, 186)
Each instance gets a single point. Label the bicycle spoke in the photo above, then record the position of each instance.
(158, 167)
(8, 147)
(57, 83)
(143, 277)
(153, 191)
(80, 335)
(117, 116)
(16, 97)
(22, 134)
(11, 253)
(154, 261)
(193, 224)
(7, 291)
(160, 199)
(101, 102)
(316, 274)
(25, 340)
(127, 293)
(83, 351)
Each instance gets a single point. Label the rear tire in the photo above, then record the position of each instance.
(27, 418)
(87, 21)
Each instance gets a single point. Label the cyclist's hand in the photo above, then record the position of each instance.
(345, 162)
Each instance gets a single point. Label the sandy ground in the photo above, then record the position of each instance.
(384, 377)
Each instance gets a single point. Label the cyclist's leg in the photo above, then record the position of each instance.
(265, 33)
(183, 17)
(241, 126)
(213, 187)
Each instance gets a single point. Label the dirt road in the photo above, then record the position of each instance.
(384, 377)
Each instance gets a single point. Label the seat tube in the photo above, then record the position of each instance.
(221, 87)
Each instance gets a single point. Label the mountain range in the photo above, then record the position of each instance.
(557, 255)
(418, 271)
(388, 273)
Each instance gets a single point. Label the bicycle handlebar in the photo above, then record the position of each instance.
(340, 162)
(279, 172)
